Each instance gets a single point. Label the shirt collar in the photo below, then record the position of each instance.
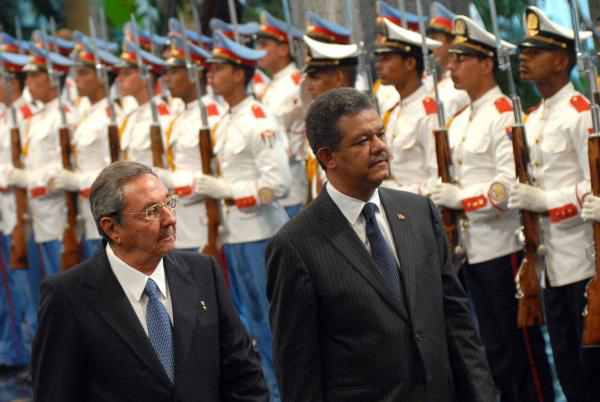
(493, 93)
(351, 207)
(240, 106)
(289, 69)
(132, 280)
(557, 97)
(420, 91)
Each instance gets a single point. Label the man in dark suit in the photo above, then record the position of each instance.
(139, 322)
(365, 304)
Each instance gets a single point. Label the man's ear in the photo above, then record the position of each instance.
(109, 226)
(325, 156)
(239, 75)
(340, 78)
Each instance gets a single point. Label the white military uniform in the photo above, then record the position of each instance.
(387, 96)
(252, 157)
(91, 146)
(282, 98)
(557, 134)
(135, 138)
(260, 82)
(8, 207)
(183, 137)
(484, 169)
(409, 133)
(42, 152)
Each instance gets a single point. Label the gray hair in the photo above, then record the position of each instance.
(325, 112)
(106, 194)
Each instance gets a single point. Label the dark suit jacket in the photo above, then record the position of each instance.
(90, 345)
(339, 334)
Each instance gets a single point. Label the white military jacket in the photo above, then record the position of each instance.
(92, 154)
(484, 166)
(557, 135)
(135, 139)
(387, 96)
(282, 98)
(409, 133)
(41, 149)
(454, 100)
(184, 143)
(252, 157)
(8, 207)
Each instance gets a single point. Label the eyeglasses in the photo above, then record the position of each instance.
(153, 211)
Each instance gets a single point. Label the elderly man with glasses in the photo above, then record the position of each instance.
(139, 321)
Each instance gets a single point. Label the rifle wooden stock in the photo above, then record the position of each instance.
(444, 160)
(529, 296)
(591, 328)
(71, 247)
(113, 143)
(211, 205)
(18, 247)
(156, 144)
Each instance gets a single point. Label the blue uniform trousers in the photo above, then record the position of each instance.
(247, 274)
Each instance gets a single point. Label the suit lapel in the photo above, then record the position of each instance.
(401, 227)
(340, 234)
(186, 302)
(109, 301)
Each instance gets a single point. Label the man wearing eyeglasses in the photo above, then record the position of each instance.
(139, 321)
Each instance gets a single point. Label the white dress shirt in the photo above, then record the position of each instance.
(352, 209)
(133, 283)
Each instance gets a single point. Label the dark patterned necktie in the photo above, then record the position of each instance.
(160, 330)
(381, 252)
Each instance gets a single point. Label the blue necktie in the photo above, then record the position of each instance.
(160, 330)
(381, 252)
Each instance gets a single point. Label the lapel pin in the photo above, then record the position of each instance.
(203, 305)
(401, 216)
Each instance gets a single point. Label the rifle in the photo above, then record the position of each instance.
(403, 11)
(18, 247)
(71, 247)
(585, 64)
(364, 60)
(156, 142)
(442, 147)
(294, 50)
(205, 141)
(529, 295)
(112, 129)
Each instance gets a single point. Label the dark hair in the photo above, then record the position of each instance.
(495, 68)
(106, 194)
(325, 112)
(248, 73)
(419, 63)
(351, 72)
(21, 77)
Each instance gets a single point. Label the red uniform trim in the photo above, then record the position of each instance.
(430, 106)
(296, 77)
(212, 110)
(503, 105)
(85, 193)
(245, 202)
(183, 191)
(258, 112)
(26, 111)
(561, 213)
(162, 109)
(38, 192)
(579, 103)
(474, 203)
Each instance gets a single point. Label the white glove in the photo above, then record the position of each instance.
(213, 187)
(165, 176)
(524, 196)
(65, 180)
(446, 195)
(16, 177)
(591, 208)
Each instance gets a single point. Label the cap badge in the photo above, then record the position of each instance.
(533, 24)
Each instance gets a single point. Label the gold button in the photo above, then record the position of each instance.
(465, 224)
(463, 138)
(537, 163)
(459, 161)
(538, 140)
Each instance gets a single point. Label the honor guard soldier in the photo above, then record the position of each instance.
(43, 160)
(254, 175)
(410, 123)
(90, 140)
(386, 95)
(482, 154)
(328, 66)
(557, 136)
(440, 29)
(282, 98)
(183, 142)
(16, 303)
(246, 32)
(135, 138)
